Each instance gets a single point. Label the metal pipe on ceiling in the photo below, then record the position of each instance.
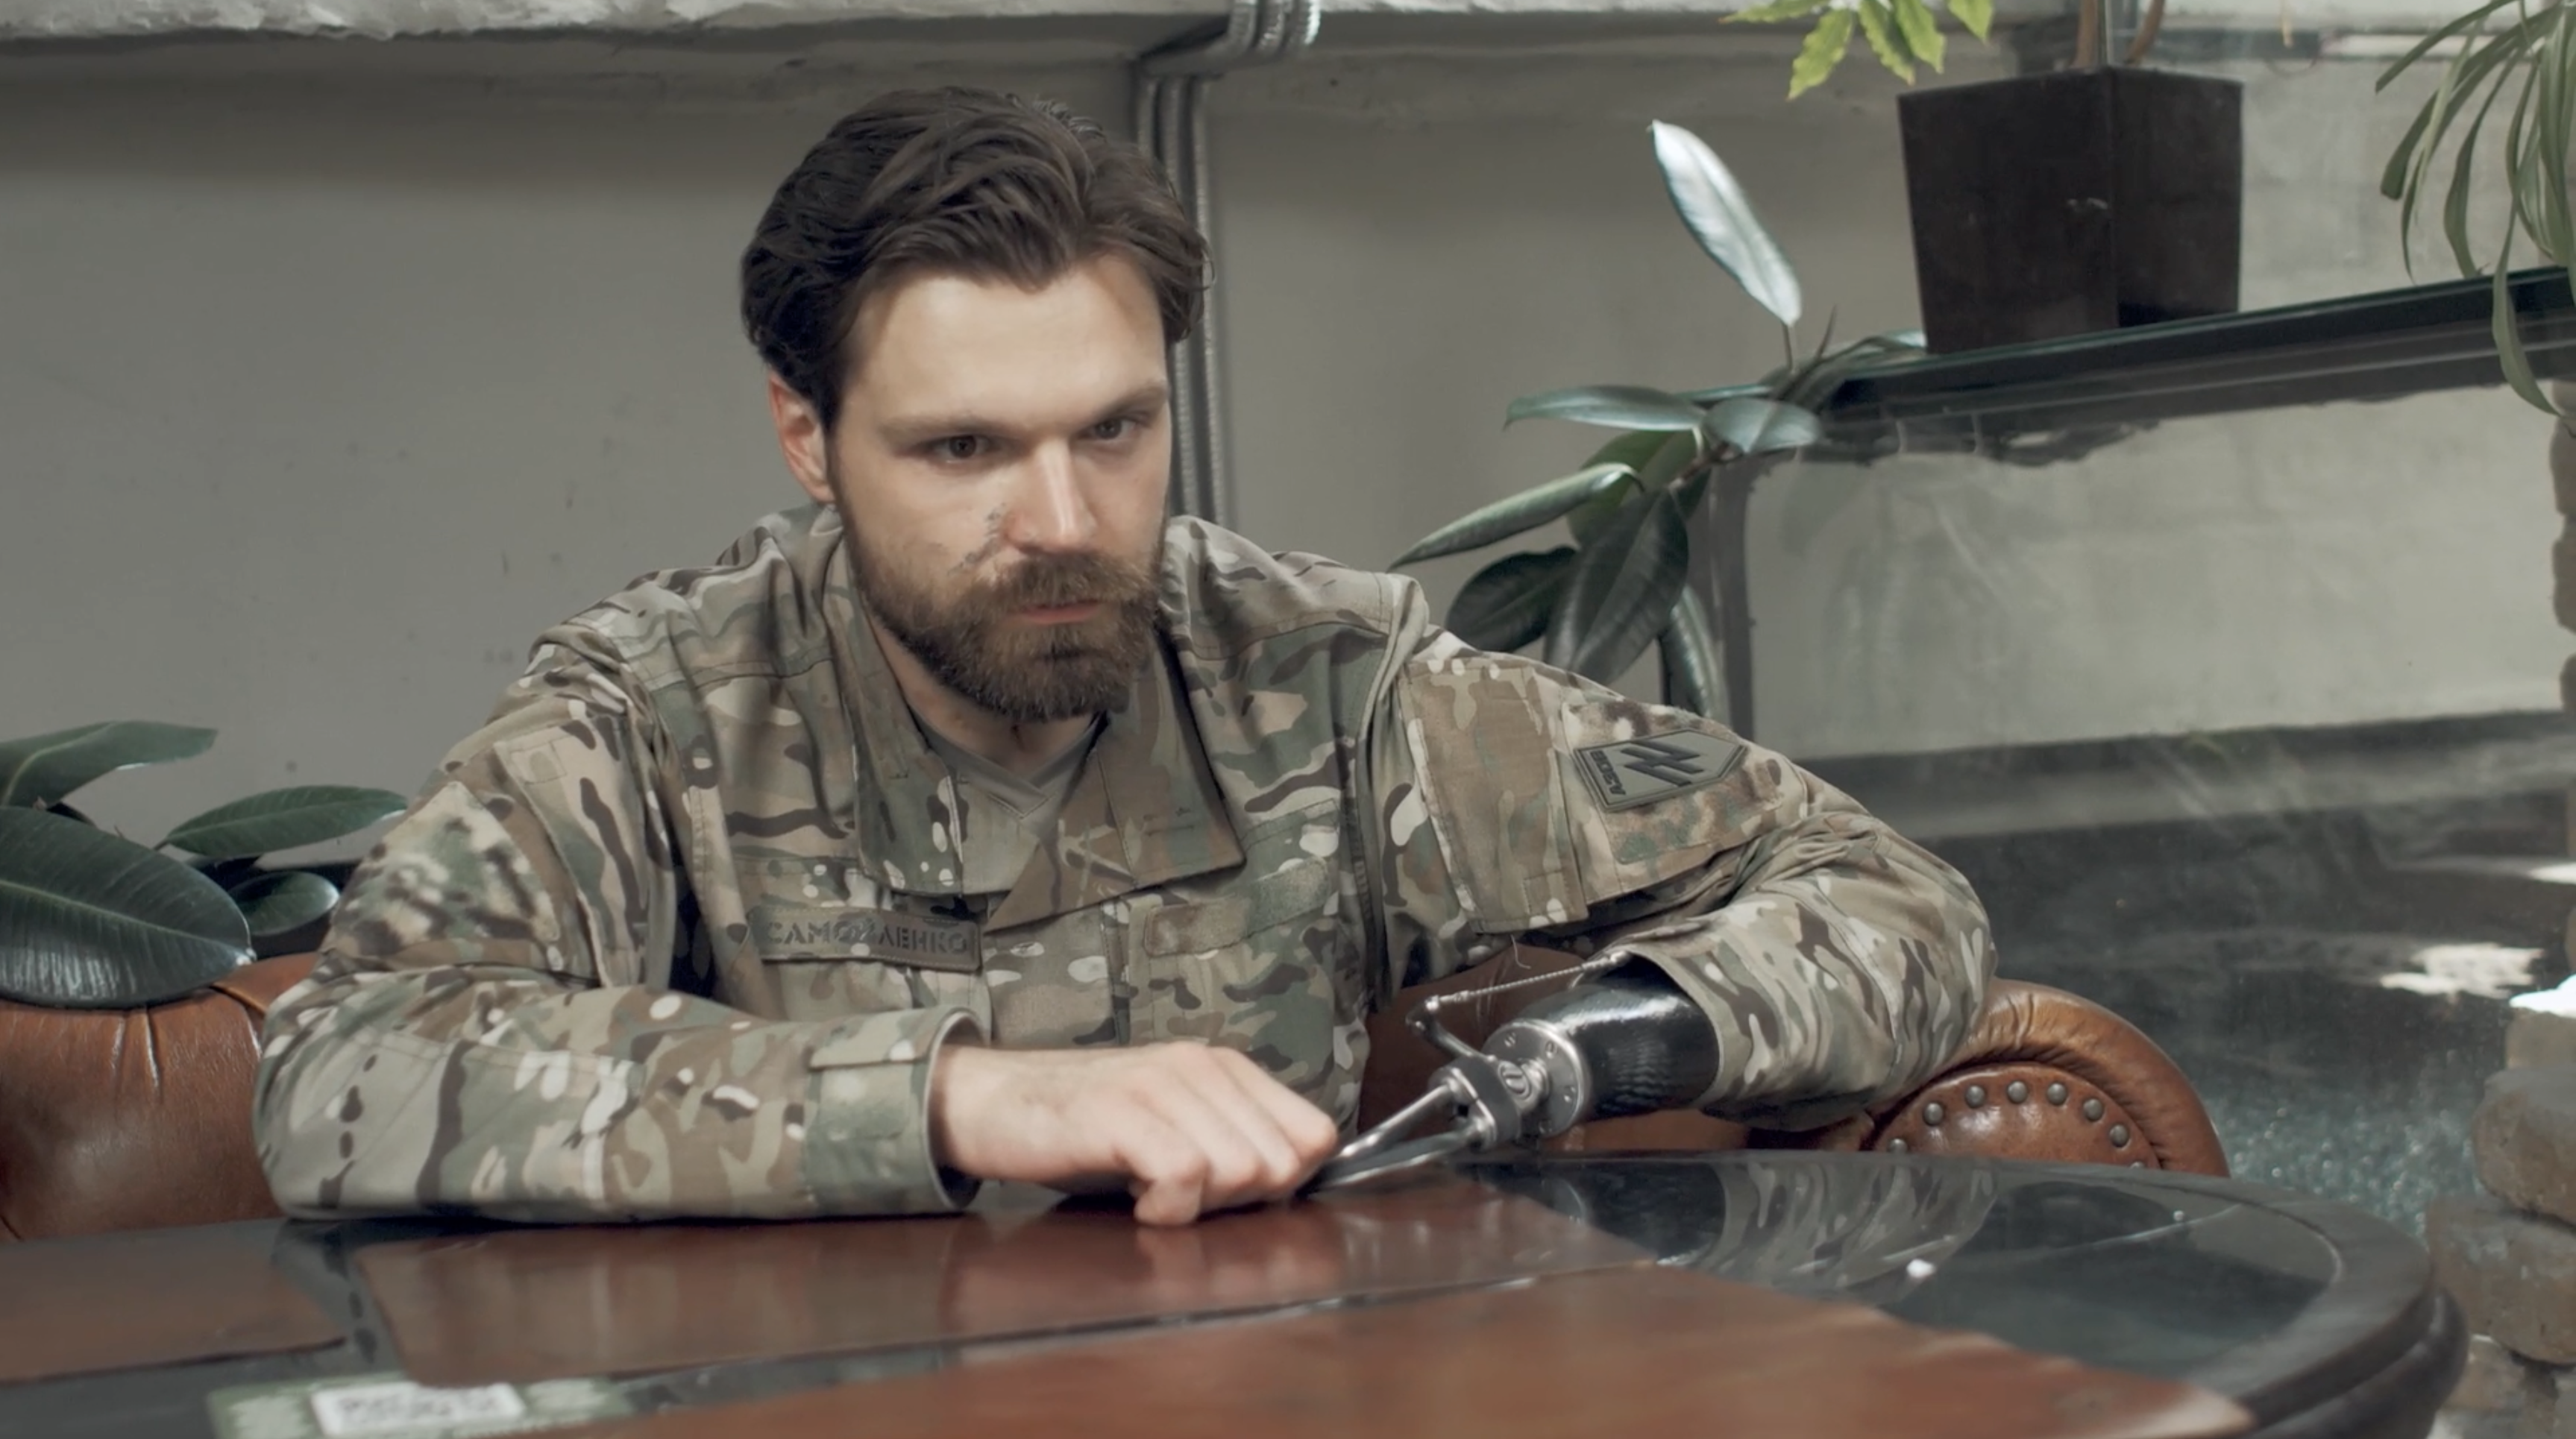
(1171, 123)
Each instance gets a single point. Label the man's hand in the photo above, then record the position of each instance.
(1191, 1128)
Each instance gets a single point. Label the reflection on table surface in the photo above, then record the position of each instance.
(2264, 1297)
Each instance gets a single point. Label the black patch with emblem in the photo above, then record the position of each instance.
(1624, 774)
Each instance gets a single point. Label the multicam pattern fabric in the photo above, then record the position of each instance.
(679, 931)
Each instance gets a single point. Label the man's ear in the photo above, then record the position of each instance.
(802, 440)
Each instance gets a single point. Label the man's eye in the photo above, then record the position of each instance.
(1117, 429)
(958, 447)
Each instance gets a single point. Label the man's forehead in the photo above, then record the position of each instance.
(943, 344)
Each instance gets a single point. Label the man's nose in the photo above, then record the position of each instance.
(1050, 513)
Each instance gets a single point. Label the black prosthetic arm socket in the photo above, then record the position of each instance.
(1640, 1043)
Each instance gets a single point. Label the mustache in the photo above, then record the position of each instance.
(1057, 580)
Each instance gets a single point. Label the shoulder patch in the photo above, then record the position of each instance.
(1624, 774)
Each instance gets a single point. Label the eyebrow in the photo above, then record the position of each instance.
(918, 430)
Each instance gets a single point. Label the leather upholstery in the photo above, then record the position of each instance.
(134, 1119)
(140, 1119)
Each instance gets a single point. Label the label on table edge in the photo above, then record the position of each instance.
(387, 1406)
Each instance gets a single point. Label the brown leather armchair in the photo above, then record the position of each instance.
(141, 1119)
(134, 1119)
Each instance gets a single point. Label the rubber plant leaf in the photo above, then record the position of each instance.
(1655, 456)
(1713, 207)
(1621, 407)
(1693, 672)
(43, 768)
(1518, 514)
(1758, 427)
(89, 920)
(1815, 382)
(284, 819)
(275, 901)
(1510, 601)
(1623, 590)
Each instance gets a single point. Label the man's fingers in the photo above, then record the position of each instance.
(1170, 1169)
(1227, 1129)
(1307, 1134)
(1230, 1083)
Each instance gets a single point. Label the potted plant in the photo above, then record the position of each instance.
(2535, 156)
(90, 919)
(1635, 508)
(2053, 204)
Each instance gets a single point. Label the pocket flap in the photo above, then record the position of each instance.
(1294, 891)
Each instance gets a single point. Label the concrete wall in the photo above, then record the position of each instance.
(322, 395)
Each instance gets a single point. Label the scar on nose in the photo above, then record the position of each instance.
(992, 541)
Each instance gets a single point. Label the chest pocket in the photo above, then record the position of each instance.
(1258, 967)
(824, 943)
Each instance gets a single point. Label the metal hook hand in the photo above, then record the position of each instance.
(1490, 1100)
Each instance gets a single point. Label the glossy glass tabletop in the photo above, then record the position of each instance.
(2300, 1309)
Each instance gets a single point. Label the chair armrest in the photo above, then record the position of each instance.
(2049, 1075)
(135, 1119)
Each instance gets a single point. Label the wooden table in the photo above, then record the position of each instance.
(1706, 1295)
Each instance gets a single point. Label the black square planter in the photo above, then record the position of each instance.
(2059, 204)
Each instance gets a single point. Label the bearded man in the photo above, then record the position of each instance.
(978, 822)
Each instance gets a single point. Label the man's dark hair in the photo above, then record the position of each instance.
(954, 181)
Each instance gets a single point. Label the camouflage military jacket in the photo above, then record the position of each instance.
(680, 930)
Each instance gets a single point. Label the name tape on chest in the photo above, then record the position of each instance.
(786, 933)
(1624, 774)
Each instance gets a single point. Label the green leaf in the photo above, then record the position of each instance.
(1669, 457)
(1876, 26)
(1778, 10)
(1922, 33)
(89, 920)
(1818, 57)
(279, 900)
(1757, 427)
(1525, 511)
(1976, 16)
(47, 767)
(1694, 677)
(1816, 381)
(2476, 65)
(2508, 335)
(1624, 407)
(1623, 589)
(1755, 391)
(2551, 144)
(2425, 46)
(284, 819)
(1713, 207)
(1635, 450)
(1510, 601)
(2455, 205)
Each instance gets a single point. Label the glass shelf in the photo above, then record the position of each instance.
(2362, 347)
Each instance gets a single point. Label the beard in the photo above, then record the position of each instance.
(975, 643)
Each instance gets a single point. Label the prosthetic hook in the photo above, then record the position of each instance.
(1619, 1043)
